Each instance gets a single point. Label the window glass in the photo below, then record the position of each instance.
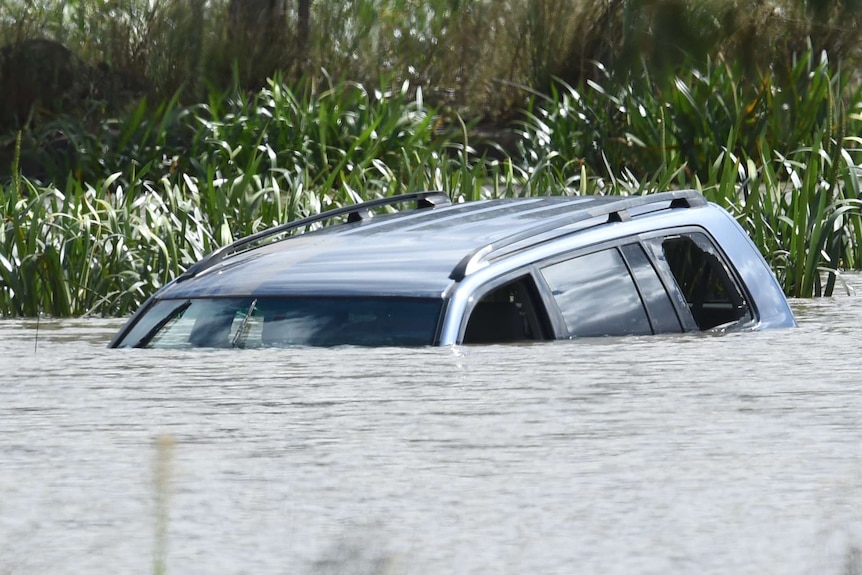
(281, 322)
(509, 313)
(703, 279)
(597, 296)
(662, 314)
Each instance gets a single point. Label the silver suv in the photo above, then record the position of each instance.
(491, 271)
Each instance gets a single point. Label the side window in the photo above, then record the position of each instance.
(704, 280)
(509, 313)
(597, 295)
(662, 313)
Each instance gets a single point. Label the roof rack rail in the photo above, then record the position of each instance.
(616, 211)
(355, 213)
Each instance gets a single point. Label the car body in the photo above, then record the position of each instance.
(488, 271)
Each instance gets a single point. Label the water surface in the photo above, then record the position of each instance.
(684, 454)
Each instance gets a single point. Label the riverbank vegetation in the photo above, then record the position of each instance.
(181, 141)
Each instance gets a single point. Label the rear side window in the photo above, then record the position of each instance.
(597, 295)
(705, 281)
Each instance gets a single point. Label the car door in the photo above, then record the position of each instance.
(613, 291)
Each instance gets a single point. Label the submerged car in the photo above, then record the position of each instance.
(489, 271)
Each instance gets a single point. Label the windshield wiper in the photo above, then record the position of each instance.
(241, 328)
(144, 341)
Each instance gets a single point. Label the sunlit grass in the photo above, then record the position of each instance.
(782, 153)
(142, 197)
(163, 186)
(172, 184)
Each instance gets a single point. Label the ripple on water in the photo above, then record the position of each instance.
(711, 454)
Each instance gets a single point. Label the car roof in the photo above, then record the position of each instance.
(417, 252)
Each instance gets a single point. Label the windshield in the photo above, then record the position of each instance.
(279, 322)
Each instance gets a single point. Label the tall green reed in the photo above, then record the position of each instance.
(156, 189)
(175, 183)
(776, 149)
(802, 209)
(80, 251)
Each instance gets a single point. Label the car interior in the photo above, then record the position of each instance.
(510, 313)
(711, 294)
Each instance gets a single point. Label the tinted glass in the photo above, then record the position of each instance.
(663, 315)
(271, 322)
(597, 296)
(511, 312)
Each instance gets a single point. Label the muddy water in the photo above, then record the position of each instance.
(685, 454)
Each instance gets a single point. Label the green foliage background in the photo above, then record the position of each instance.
(192, 130)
